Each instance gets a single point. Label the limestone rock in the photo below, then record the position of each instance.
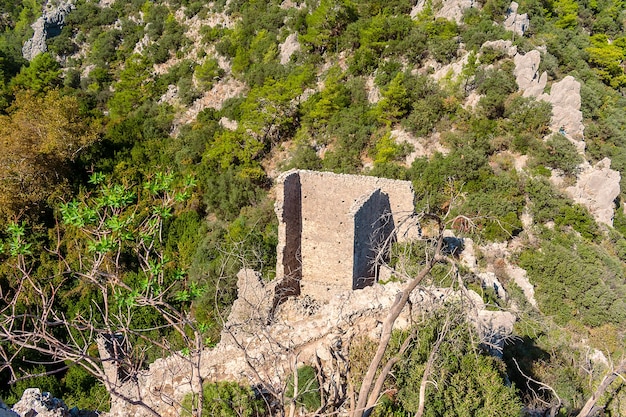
(47, 26)
(566, 114)
(489, 280)
(373, 92)
(451, 70)
(252, 299)
(222, 90)
(288, 48)
(506, 47)
(450, 9)
(229, 124)
(564, 96)
(527, 74)
(521, 279)
(35, 403)
(515, 22)
(422, 146)
(597, 188)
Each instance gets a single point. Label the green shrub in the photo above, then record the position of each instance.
(227, 399)
(308, 394)
(559, 153)
(576, 280)
(465, 382)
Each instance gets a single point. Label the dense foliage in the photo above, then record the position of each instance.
(137, 93)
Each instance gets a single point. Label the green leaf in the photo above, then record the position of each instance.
(97, 178)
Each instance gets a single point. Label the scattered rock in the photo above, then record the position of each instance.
(597, 188)
(373, 92)
(521, 279)
(229, 124)
(490, 280)
(450, 9)
(35, 403)
(47, 26)
(503, 46)
(170, 96)
(472, 100)
(221, 91)
(597, 356)
(515, 22)
(468, 256)
(288, 48)
(423, 146)
(452, 70)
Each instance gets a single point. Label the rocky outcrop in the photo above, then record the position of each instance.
(489, 278)
(566, 114)
(596, 188)
(452, 70)
(373, 92)
(302, 331)
(47, 26)
(515, 22)
(564, 95)
(527, 74)
(501, 45)
(450, 9)
(35, 403)
(288, 48)
(222, 90)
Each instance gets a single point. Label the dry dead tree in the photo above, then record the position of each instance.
(93, 244)
(590, 409)
(369, 393)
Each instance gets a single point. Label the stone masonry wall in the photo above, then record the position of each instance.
(325, 246)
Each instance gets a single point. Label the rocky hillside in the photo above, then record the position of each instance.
(142, 141)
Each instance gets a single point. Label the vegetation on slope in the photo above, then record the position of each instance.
(101, 101)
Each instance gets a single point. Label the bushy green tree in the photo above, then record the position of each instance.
(40, 76)
(326, 23)
(559, 153)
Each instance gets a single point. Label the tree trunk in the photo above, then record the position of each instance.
(367, 398)
(588, 410)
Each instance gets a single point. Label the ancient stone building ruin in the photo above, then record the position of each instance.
(332, 228)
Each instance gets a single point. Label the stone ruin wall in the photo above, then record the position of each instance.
(324, 217)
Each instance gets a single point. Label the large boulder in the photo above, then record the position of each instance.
(450, 9)
(35, 403)
(288, 48)
(515, 22)
(526, 72)
(47, 26)
(597, 188)
(566, 115)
